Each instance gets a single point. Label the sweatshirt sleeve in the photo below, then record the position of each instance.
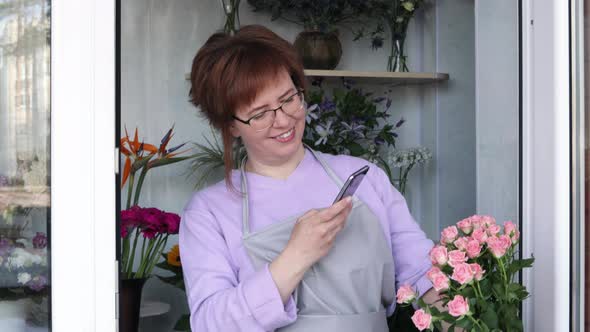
(217, 301)
(409, 244)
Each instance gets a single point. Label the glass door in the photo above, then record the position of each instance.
(25, 154)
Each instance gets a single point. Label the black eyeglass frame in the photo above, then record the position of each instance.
(299, 92)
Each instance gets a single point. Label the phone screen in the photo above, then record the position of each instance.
(352, 183)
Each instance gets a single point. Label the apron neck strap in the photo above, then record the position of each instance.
(244, 186)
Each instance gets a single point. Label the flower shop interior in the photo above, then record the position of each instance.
(445, 96)
(468, 127)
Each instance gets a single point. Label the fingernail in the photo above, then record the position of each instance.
(348, 199)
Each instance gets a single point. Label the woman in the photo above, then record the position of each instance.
(267, 249)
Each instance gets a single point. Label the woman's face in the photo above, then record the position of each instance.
(279, 142)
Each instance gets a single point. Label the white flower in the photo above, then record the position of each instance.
(23, 278)
(310, 113)
(324, 132)
(409, 157)
(22, 258)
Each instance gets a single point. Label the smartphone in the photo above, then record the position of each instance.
(353, 182)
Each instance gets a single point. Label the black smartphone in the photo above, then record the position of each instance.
(353, 182)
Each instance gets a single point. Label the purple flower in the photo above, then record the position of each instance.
(400, 122)
(388, 104)
(379, 141)
(37, 283)
(5, 246)
(3, 181)
(40, 241)
(327, 105)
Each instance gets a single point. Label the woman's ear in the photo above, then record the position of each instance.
(235, 132)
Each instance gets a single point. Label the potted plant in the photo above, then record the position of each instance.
(350, 121)
(318, 44)
(148, 228)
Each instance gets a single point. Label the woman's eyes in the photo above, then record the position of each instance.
(260, 115)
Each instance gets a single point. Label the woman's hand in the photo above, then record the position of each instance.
(311, 239)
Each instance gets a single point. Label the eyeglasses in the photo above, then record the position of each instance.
(265, 119)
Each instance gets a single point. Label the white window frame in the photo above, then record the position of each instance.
(546, 163)
(83, 190)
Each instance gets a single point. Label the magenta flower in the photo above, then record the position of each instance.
(40, 241)
(151, 221)
(173, 222)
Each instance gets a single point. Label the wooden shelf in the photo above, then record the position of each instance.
(376, 77)
(380, 77)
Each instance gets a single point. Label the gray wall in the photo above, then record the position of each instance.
(160, 38)
(497, 111)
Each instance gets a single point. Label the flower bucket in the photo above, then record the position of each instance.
(129, 303)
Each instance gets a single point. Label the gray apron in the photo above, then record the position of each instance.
(349, 288)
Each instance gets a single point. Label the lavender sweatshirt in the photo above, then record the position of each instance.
(224, 291)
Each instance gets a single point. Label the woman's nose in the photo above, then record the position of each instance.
(281, 118)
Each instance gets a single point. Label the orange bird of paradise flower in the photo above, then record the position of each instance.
(139, 154)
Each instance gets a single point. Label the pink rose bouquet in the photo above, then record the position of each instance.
(474, 268)
(153, 226)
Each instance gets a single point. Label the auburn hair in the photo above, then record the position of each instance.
(229, 71)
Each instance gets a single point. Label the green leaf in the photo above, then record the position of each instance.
(490, 318)
(465, 323)
(356, 149)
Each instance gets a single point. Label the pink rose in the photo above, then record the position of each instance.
(496, 247)
(465, 225)
(462, 273)
(480, 235)
(461, 243)
(511, 230)
(438, 255)
(440, 281)
(421, 320)
(477, 271)
(493, 229)
(473, 248)
(432, 272)
(405, 294)
(476, 222)
(488, 221)
(456, 257)
(506, 241)
(458, 306)
(449, 234)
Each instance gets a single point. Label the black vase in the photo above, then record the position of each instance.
(129, 304)
(318, 50)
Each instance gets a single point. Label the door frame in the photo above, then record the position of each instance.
(83, 165)
(546, 159)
